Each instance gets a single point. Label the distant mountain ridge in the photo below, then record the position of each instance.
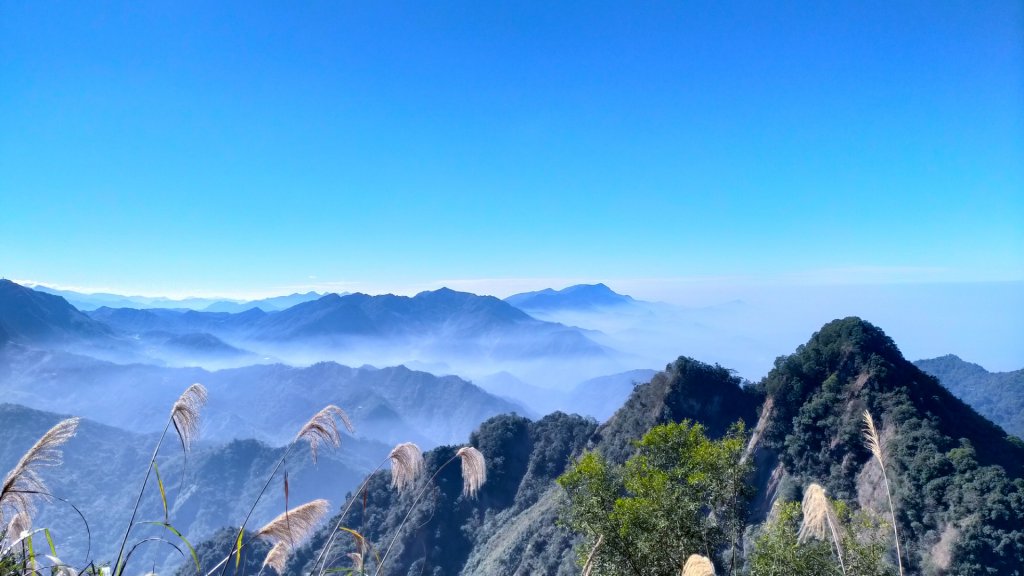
(999, 396)
(577, 297)
(441, 321)
(29, 316)
(271, 304)
(267, 402)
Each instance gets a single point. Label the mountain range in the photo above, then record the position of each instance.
(91, 301)
(268, 402)
(958, 480)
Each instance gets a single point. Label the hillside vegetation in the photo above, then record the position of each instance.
(999, 396)
(956, 478)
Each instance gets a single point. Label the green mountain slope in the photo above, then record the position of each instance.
(999, 396)
(956, 477)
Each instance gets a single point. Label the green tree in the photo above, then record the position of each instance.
(680, 494)
(778, 551)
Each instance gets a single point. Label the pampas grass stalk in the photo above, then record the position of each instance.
(184, 417)
(697, 565)
(818, 514)
(873, 442)
(406, 466)
(474, 474)
(23, 485)
(322, 427)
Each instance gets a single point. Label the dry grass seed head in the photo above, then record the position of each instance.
(20, 522)
(185, 413)
(322, 427)
(872, 440)
(406, 465)
(23, 483)
(816, 510)
(294, 526)
(277, 557)
(697, 565)
(474, 470)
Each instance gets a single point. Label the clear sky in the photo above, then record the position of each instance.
(247, 147)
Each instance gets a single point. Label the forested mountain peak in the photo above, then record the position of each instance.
(686, 390)
(947, 458)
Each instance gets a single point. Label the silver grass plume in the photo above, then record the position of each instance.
(23, 483)
(697, 565)
(406, 465)
(819, 520)
(277, 557)
(185, 413)
(873, 442)
(474, 470)
(296, 525)
(322, 427)
(19, 524)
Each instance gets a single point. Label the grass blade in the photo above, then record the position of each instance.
(49, 540)
(191, 550)
(31, 554)
(238, 548)
(163, 493)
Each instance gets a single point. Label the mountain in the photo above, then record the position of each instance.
(600, 397)
(434, 324)
(439, 322)
(104, 466)
(511, 527)
(266, 304)
(136, 322)
(957, 479)
(999, 396)
(267, 402)
(91, 301)
(595, 397)
(578, 297)
(28, 316)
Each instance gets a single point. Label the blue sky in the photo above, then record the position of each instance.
(252, 148)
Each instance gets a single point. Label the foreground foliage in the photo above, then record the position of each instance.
(680, 494)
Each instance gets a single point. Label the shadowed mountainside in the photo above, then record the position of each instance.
(999, 396)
